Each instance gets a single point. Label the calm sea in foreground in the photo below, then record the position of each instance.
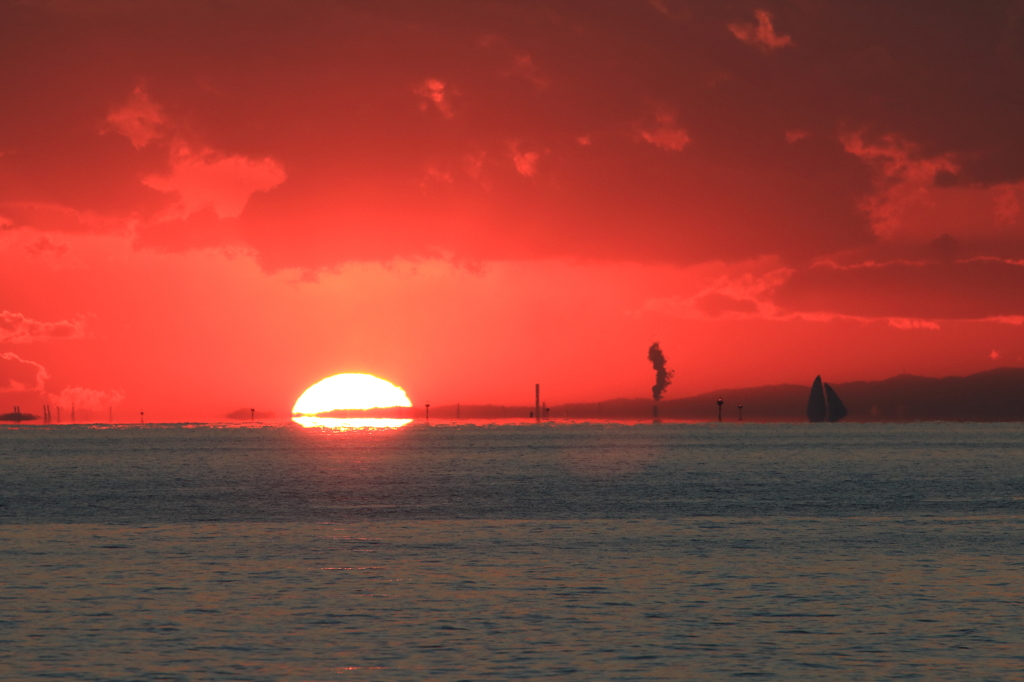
(513, 552)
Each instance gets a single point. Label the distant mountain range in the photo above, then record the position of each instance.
(995, 395)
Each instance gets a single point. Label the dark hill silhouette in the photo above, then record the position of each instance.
(994, 395)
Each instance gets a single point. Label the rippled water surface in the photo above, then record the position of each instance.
(580, 551)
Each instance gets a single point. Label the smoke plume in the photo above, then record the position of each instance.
(663, 377)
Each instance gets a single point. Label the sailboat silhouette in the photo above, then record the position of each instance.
(824, 404)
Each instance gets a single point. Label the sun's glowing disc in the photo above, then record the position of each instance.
(349, 392)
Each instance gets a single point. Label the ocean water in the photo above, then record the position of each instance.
(513, 552)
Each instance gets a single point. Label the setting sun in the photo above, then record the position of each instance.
(349, 392)
(657, 290)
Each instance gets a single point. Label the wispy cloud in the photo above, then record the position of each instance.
(525, 162)
(762, 35)
(18, 374)
(524, 67)
(58, 218)
(44, 245)
(139, 119)
(1007, 206)
(663, 132)
(433, 92)
(904, 179)
(206, 179)
(17, 328)
(86, 400)
(913, 323)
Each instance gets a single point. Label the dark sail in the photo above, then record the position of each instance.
(817, 410)
(836, 409)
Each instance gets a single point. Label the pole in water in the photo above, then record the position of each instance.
(741, 412)
(428, 411)
(142, 417)
(252, 413)
(720, 403)
(536, 397)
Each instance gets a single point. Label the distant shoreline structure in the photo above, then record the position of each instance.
(992, 396)
(995, 395)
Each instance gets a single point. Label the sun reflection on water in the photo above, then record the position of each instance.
(351, 424)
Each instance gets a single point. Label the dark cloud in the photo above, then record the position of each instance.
(715, 304)
(974, 289)
(366, 131)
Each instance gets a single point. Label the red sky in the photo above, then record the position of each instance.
(208, 206)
